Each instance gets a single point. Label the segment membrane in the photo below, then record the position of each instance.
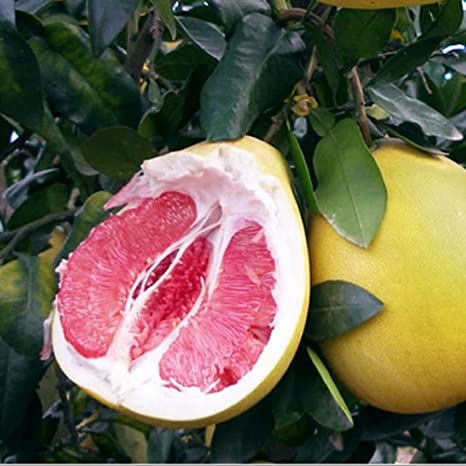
(95, 282)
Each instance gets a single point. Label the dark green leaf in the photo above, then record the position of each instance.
(207, 36)
(337, 307)
(106, 19)
(406, 60)
(179, 65)
(460, 421)
(31, 6)
(164, 9)
(7, 11)
(316, 449)
(231, 12)
(90, 215)
(321, 398)
(91, 92)
(249, 78)
(382, 425)
(109, 447)
(48, 200)
(239, 440)
(404, 108)
(117, 152)
(163, 123)
(327, 56)
(448, 17)
(361, 33)
(412, 134)
(27, 437)
(19, 377)
(28, 287)
(322, 121)
(160, 444)
(20, 85)
(302, 172)
(351, 193)
(286, 406)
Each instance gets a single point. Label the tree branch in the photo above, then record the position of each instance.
(148, 39)
(20, 233)
(360, 103)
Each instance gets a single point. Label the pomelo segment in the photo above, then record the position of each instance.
(187, 306)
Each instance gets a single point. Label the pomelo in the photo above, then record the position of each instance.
(410, 358)
(186, 307)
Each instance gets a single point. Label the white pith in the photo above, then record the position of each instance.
(230, 178)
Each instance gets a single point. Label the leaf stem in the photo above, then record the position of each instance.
(20, 233)
(360, 103)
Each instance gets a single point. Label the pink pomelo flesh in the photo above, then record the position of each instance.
(216, 315)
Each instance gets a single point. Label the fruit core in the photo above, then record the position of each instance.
(191, 292)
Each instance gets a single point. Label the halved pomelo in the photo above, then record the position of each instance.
(186, 307)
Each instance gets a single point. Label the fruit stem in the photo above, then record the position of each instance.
(360, 103)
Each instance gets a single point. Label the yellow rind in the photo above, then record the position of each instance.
(410, 357)
(271, 162)
(376, 4)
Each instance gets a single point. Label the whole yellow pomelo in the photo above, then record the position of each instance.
(411, 357)
(376, 4)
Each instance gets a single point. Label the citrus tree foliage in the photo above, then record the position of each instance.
(91, 88)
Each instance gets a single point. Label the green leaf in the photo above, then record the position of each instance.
(116, 152)
(207, 36)
(249, 78)
(337, 307)
(7, 11)
(91, 92)
(179, 65)
(327, 56)
(404, 108)
(321, 398)
(19, 377)
(412, 134)
(382, 425)
(302, 171)
(160, 444)
(50, 199)
(351, 193)
(106, 20)
(241, 438)
(164, 9)
(232, 12)
(406, 60)
(362, 34)
(28, 288)
(448, 17)
(90, 215)
(26, 437)
(322, 121)
(161, 124)
(20, 86)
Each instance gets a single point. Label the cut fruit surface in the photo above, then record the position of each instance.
(187, 306)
